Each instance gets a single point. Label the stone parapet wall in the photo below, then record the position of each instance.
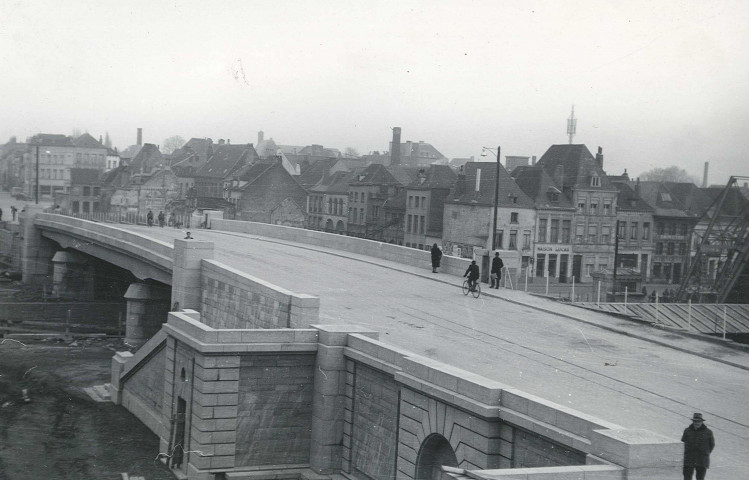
(372, 248)
(232, 299)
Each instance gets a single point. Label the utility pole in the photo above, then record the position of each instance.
(496, 202)
(616, 255)
(36, 195)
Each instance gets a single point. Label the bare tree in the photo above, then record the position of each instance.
(669, 174)
(351, 152)
(171, 144)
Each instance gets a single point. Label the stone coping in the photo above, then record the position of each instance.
(587, 472)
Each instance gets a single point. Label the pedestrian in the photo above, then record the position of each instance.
(161, 219)
(473, 275)
(496, 271)
(698, 444)
(149, 218)
(13, 212)
(188, 237)
(436, 257)
(1, 214)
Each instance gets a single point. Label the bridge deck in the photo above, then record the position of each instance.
(614, 376)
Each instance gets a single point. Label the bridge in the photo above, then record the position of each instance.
(387, 367)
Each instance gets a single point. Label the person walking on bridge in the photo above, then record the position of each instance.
(496, 271)
(698, 444)
(436, 257)
(149, 218)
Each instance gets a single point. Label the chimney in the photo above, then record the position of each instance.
(533, 160)
(704, 175)
(599, 157)
(460, 185)
(478, 180)
(139, 140)
(259, 137)
(395, 147)
(637, 187)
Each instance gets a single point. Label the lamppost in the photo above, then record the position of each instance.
(496, 194)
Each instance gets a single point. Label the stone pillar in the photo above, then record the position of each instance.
(146, 310)
(36, 251)
(644, 454)
(186, 272)
(73, 277)
(329, 397)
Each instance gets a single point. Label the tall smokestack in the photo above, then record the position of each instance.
(704, 175)
(260, 136)
(139, 140)
(599, 157)
(395, 148)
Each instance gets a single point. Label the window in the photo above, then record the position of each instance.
(682, 249)
(656, 270)
(661, 228)
(86, 191)
(595, 181)
(670, 249)
(566, 227)
(540, 263)
(646, 231)
(683, 229)
(672, 229)
(408, 224)
(606, 207)
(410, 201)
(589, 269)
(665, 197)
(579, 232)
(498, 239)
(606, 234)
(581, 207)
(361, 215)
(622, 233)
(633, 232)
(356, 196)
(417, 202)
(592, 234)
(553, 197)
(422, 224)
(542, 230)
(527, 240)
(423, 202)
(513, 239)
(514, 217)
(554, 234)
(659, 248)
(513, 198)
(594, 207)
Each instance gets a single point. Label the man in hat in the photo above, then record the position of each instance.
(698, 444)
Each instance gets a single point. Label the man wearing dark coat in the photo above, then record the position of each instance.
(496, 271)
(698, 444)
(436, 257)
(473, 274)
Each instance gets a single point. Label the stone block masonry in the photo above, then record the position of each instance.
(234, 300)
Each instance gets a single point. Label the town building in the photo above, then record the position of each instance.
(328, 203)
(555, 215)
(635, 223)
(212, 179)
(585, 184)
(84, 194)
(467, 219)
(425, 201)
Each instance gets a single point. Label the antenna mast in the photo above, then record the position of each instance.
(572, 124)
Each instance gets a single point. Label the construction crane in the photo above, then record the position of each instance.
(726, 239)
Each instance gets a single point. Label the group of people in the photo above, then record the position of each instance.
(13, 212)
(473, 269)
(161, 218)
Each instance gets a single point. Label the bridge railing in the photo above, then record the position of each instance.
(130, 218)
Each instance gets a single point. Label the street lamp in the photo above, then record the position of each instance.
(496, 195)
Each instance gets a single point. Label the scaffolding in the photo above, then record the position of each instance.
(726, 242)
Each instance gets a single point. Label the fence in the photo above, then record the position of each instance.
(63, 317)
(132, 218)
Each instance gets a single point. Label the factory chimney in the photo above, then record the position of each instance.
(139, 140)
(704, 175)
(395, 147)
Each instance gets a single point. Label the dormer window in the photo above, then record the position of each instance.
(595, 181)
(554, 196)
(666, 197)
(513, 198)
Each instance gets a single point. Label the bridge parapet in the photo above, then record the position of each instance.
(386, 251)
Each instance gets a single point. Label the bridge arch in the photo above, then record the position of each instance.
(434, 452)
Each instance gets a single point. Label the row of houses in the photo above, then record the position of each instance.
(560, 217)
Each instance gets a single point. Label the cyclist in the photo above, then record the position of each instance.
(473, 274)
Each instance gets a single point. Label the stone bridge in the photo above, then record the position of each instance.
(243, 381)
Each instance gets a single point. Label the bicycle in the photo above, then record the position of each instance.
(467, 289)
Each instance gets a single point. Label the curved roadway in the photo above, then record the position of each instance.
(629, 381)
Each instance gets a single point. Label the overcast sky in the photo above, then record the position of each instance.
(653, 83)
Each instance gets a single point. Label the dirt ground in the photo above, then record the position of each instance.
(62, 433)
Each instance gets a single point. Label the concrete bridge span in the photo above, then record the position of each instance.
(223, 294)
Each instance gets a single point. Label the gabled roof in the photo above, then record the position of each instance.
(539, 186)
(147, 158)
(630, 200)
(575, 165)
(735, 203)
(319, 151)
(671, 199)
(85, 176)
(404, 175)
(316, 172)
(465, 192)
(251, 172)
(87, 141)
(51, 140)
(436, 176)
(226, 159)
(376, 174)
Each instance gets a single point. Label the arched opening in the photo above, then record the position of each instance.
(339, 227)
(434, 452)
(329, 225)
